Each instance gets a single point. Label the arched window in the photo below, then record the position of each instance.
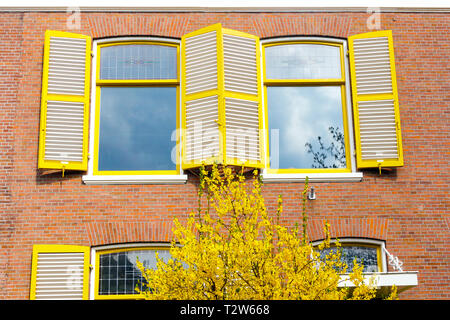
(367, 252)
(135, 113)
(306, 94)
(137, 89)
(116, 272)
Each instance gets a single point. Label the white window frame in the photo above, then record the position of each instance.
(90, 178)
(352, 176)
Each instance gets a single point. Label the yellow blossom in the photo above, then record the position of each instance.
(234, 249)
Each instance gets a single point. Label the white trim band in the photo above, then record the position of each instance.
(136, 179)
(312, 177)
(402, 280)
(231, 8)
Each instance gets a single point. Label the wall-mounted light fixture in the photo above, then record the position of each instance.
(312, 194)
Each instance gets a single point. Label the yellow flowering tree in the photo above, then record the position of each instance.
(232, 248)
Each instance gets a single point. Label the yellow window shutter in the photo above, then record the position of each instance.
(65, 101)
(60, 272)
(221, 98)
(375, 100)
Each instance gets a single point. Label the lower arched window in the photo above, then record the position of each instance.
(116, 271)
(367, 252)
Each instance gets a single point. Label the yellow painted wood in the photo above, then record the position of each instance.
(222, 93)
(307, 82)
(123, 83)
(382, 162)
(53, 248)
(99, 253)
(53, 164)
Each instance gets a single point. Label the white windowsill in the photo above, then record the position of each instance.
(136, 179)
(181, 179)
(312, 177)
(402, 280)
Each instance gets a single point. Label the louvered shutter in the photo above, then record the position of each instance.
(201, 138)
(242, 98)
(64, 101)
(221, 98)
(375, 100)
(60, 272)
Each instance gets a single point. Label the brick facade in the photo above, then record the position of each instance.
(407, 207)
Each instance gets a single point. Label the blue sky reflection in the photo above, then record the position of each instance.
(136, 124)
(299, 115)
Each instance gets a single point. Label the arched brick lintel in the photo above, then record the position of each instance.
(176, 25)
(374, 228)
(103, 233)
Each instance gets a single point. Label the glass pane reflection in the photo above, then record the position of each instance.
(303, 61)
(138, 62)
(119, 273)
(136, 126)
(306, 127)
(367, 256)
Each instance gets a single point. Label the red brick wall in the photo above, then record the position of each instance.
(406, 207)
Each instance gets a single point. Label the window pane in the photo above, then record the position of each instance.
(136, 126)
(138, 62)
(119, 273)
(306, 127)
(303, 61)
(364, 255)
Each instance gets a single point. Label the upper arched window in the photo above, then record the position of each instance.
(136, 117)
(306, 106)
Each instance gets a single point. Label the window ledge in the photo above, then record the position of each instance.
(385, 280)
(312, 177)
(128, 179)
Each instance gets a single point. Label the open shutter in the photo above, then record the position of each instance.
(65, 101)
(242, 99)
(375, 100)
(221, 98)
(200, 75)
(60, 272)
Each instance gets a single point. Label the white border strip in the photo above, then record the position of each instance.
(141, 9)
(136, 179)
(402, 280)
(312, 177)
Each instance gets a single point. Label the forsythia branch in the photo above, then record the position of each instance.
(235, 249)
